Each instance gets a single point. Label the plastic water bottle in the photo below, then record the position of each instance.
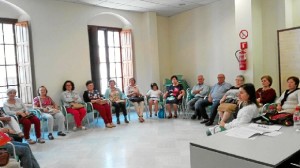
(296, 119)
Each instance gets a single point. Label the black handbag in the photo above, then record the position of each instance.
(136, 99)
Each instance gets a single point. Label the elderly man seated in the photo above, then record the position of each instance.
(199, 92)
(214, 97)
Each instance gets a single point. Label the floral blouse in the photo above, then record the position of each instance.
(47, 101)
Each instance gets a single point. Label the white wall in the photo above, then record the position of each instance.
(296, 13)
(163, 36)
(202, 41)
(106, 21)
(7, 11)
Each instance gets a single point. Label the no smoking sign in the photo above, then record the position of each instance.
(243, 34)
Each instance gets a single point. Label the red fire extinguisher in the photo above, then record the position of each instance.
(242, 59)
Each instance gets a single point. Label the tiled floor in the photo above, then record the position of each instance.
(157, 143)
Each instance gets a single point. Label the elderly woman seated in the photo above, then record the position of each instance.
(15, 106)
(265, 94)
(101, 105)
(71, 99)
(291, 97)
(173, 96)
(132, 92)
(50, 111)
(117, 99)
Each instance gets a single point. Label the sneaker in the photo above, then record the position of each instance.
(40, 140)
(204, 121)
(61, 133)
(83, 128)
(50, 136)
(30, 141)
(214, 130)
(209, 123)
(74, 128)
(118, 121)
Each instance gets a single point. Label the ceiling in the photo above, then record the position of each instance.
(161, 7)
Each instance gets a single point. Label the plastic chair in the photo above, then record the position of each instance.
(38, 114)
(68, 115)
(14, 158)
(129, 105)
(180, 108)
(160, 103)
(90, 109)
(112, 108)
(189, 96)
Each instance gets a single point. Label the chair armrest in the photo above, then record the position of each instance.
(1, 124)
(36, 112)
(63, 110)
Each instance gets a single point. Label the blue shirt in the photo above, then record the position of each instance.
(218, 91)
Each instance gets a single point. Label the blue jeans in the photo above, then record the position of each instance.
(201, 109)
(25, 154)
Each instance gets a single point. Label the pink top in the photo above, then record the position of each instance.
(47, 101)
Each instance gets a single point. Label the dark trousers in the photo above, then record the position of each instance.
(119, 106)
(201, 109)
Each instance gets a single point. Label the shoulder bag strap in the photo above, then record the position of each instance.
(286, 94)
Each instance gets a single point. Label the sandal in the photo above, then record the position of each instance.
(30, 141)
(141, 119)
(175, 115)
(40, 140)
(170, 116)
(108, 125)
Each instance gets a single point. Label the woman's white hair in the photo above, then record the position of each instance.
(11, 90)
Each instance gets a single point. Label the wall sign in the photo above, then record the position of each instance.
(243, 34)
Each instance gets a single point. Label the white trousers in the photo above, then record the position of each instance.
(13, 124)
(59, 117)
(139, 107)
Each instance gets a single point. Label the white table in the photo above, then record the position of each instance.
(223, 151)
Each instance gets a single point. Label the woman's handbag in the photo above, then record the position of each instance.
(76, 105)
(4, 157)
(274, 117)
(30, 115)
(136, 99)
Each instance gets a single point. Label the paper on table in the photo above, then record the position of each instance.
(274, 133)
(266, 128)
(253, 129)
(241, 132)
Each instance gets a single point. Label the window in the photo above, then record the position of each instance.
(15, 69)
(109, 56)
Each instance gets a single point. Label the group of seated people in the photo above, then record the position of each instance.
(241, 101)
